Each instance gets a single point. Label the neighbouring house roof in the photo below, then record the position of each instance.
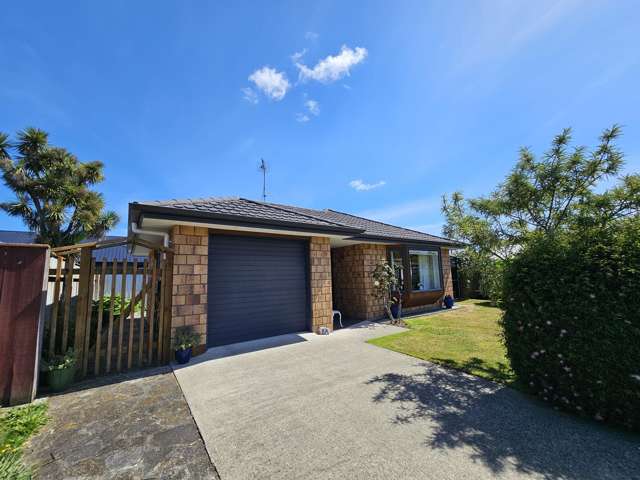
(109, 254)
(244, 211)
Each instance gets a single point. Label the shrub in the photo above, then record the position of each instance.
(59, 362)
(16, 426)
(572, 321)
(185, 337)
(119, 304)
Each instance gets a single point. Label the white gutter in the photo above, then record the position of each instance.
(139, 231)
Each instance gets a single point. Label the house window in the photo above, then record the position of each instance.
(425, 270)
(395, 260)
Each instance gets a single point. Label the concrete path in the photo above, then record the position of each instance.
(129, 426)
(333, 407)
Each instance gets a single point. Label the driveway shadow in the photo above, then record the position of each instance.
(502, 428)
(501, 371)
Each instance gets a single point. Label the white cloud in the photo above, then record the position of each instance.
(313, 36)
(360, 186)
(273, 84)
(313, 106)
(250, 95)
(295, 58)
(333, 67)
(403, 210)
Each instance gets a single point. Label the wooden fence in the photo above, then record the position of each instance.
(114, 313)
(23, 270)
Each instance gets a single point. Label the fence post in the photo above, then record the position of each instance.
(83, 305)
(167, 287)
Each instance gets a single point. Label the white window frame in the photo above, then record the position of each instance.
(436, 275)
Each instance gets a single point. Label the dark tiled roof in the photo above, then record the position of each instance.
(241, 208)
(372, 228)
(11, 236)
(108, 254)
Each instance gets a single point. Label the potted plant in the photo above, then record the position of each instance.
(184, 340)
(60, 370)
(448, 301)
(396, 305)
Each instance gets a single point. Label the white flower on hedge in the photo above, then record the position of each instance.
(636, 377)
(548, 322)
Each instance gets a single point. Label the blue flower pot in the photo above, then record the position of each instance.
(448, 301)
(183, 356)
(395, 310)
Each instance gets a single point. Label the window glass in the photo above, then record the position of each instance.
(425, 270)
(396, 261)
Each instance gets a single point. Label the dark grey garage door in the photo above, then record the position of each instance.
(257, 288)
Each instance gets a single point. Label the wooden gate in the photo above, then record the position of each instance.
(114, 312)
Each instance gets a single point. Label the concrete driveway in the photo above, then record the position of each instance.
(333, 407)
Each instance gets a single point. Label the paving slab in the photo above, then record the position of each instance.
(130, 426)
(334, 407)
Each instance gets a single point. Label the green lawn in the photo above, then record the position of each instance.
(16, 426)
(466, 339)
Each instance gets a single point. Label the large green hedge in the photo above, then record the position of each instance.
(572, 321)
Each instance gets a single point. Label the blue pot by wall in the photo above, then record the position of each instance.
(183, 356)
(448, 301)
(395, 310)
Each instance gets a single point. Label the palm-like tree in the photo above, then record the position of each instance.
(52, 189)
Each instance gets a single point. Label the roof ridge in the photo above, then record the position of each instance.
(286, 208)
(187, 200)
(388, 224)
(297, 210)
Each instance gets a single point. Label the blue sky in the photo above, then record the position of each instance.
(374, 108)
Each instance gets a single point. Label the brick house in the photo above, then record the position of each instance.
(245, 269)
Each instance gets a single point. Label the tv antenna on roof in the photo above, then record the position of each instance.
(263, 166)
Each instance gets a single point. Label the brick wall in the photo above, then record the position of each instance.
(447, 279)
(352, 270)
(190, 262)
(320, 281)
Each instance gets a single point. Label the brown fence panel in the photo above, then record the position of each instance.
(23, 286)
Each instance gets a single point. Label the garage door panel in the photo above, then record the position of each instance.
(257, 287)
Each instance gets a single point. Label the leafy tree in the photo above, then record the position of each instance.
(555, 193)
(52, 188)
